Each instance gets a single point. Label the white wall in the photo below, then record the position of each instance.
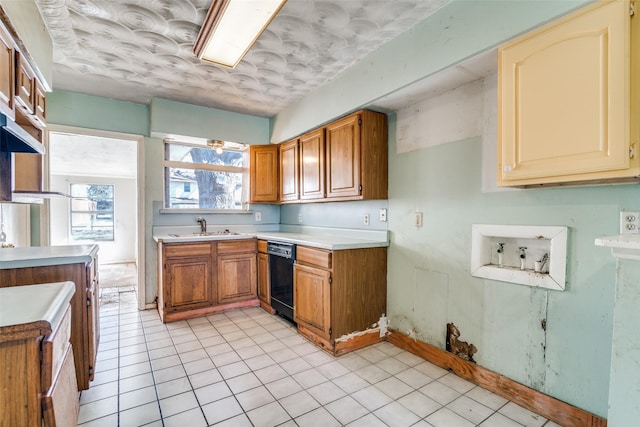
(122, 249)
(16, 224)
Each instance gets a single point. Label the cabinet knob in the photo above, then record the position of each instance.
(506, 169)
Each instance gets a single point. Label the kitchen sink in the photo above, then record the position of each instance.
(207, 234)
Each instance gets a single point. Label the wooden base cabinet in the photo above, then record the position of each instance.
(40, 387)
(200, 278)
(85, 328)
(338, 292)
(264, 285)
(237, 271)
(569, 100)
(186, 278)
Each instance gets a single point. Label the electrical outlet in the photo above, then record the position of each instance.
(258, 216)
(630, 222)
(300, 217)
(383, 215)
(367, 219)
(418, 219)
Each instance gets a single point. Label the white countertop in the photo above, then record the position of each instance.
(322, 241)
(34, 307)
(319, 237)
(40, 256)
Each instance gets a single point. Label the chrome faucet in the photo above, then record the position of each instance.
(203, 224)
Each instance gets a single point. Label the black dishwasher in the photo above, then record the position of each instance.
(281, 258)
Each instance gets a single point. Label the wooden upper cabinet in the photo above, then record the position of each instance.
(343, 157)
(357, 157)
(40, 104)
(25, 94)
(30, 96)
(7, 72)
(312, 178)
(263, 173)
(289, 171)
(568, 107)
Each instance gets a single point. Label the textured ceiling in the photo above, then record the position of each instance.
(141, 49)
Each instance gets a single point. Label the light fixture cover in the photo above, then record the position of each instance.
(232, 27)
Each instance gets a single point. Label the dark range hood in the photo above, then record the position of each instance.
(16, 142)
(14, 139)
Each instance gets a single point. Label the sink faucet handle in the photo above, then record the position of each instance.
(203, 224)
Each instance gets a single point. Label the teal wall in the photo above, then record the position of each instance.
(624, 395)
(77, 109)
(171, 117)
(429, 280)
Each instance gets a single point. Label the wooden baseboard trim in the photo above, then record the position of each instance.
(357, 341)
(199, 312)
(549, 407)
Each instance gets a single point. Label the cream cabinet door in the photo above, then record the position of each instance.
(564, 99)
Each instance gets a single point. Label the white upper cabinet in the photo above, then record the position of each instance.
(568, 100)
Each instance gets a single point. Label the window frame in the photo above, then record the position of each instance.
(92, 212)
(243, 149)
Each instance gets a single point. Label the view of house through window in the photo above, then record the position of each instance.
(200, 177)
(92, 212)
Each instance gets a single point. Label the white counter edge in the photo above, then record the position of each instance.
(623, 246)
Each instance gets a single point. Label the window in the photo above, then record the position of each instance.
(92, 212)
(199, 177)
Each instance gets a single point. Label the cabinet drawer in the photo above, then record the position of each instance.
(262, 246)
(313, 256)
(61, 403)
(179, 250)
(54, 347)
(236, 246)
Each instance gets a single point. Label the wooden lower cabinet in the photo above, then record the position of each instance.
(40, 387)
(85, 328)
(237, 272)
(264, 285)
(338, 292)
(312, 299)
(200, 278)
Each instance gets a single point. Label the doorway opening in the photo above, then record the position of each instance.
(101, 173)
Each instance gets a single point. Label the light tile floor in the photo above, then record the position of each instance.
(248, 368)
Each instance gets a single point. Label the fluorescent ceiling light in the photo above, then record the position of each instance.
(232, 27)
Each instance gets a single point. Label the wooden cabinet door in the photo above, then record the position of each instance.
(40, 104)
(312, 170)
(289, 171)
(312, 299)
(263, 171)
(93, 315)
(343, 157)
(25, 85)
(7, 72)
(237, 277)
(564, 99)
(60, 404)
(188, 283)
(264, 293)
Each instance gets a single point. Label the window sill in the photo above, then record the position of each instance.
(205, 211)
